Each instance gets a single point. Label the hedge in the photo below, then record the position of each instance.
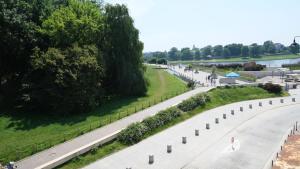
(192, 103)
(271, 88)
(135, 132)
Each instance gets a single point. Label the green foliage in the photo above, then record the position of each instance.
(272, 88)
(192, 103)
(132, 134)
(63, 55)
(190, 84)
(122, 52)
(136, 132)
(65, 81)
(80, 22)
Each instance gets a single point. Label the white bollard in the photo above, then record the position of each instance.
(183, 140)
(196, 132)
(151, 159)
(281, 101)
(250, 106)
(232, 112)
(260, 104)
(217, 120)
(224, 116)
(169, 148)
(270, 102)
(207, 126)
(241, 109)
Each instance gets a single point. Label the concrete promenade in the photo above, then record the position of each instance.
(257, 134)
(63, 152)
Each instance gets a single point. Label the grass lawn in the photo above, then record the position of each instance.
(240, 59)
(26, 133)
(219, 97)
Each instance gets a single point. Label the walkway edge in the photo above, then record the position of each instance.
(79, 151)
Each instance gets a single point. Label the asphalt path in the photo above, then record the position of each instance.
(257, 133)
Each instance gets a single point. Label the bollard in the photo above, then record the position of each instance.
(270, 102)
(151, 159)
(224, 116)
(232, 112)
(250, 106)
(196, 132)
(241, 109)
(294, 99)
(169, 148)
(217, 120)
(207, 126)
(183, 140)
(260, 104)
(281, 100)
(128, 168)
(280, 147)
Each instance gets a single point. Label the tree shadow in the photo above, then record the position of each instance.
(27, 120)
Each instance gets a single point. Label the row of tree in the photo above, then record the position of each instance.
(67, 55)
(227, 51)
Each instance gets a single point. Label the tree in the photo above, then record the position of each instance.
(235, 49)
(269, 47)
(186, 54)
(294, 48)
(122, 52)
(254, 50)
(245, 51)
(217, 50)
(80, 22)
(197, 54)
(206, 51)
(64, 80)
(173, 54)
(226, 52)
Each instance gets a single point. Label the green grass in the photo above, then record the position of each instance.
(240, 59)
(219, 97)
(25, 134)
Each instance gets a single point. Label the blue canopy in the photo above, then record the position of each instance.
(232, 75)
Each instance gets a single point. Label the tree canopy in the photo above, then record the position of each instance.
(67, 56)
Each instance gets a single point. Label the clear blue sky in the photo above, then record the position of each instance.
(184, 23)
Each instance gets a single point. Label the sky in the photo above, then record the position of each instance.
(183, 23)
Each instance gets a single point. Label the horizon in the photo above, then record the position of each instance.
(162, 27)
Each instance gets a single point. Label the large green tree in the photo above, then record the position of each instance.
(217, 50)
(122, 52)
(186, 54)
(245, 51)
(64, 80)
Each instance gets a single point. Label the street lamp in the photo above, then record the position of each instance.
(294, 42)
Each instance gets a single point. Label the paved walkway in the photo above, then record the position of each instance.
(51, 156)
(257, 133)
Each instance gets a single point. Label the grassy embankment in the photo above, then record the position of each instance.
(219, 97)
(25, 134)
(241, 59)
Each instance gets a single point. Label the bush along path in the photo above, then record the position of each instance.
(136, 132)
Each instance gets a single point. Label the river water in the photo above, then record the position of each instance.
(268, 63)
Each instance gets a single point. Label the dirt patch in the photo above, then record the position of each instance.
(289, 157)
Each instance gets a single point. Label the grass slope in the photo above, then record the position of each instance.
(25, 134)
(219, 97)
(240, 59)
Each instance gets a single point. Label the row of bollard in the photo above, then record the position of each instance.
(292, 132)
(217, 121)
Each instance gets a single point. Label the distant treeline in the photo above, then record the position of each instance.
(227, 51)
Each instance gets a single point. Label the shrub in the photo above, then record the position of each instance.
(252, 66)
(191, 84)
(192, 103)
(135, 132)
(272, 88)
(132, 134)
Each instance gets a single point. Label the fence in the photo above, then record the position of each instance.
(16, 153)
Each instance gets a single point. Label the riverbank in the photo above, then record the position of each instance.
(239, 59)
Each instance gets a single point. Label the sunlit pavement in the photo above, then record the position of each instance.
(257, 134)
